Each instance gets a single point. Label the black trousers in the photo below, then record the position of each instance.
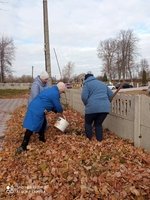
(43, 128)
(94, 120)
(28, 134)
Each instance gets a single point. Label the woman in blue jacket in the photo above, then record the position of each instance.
(96, 97)
(35, 120)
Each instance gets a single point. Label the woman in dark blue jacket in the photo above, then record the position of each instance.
(35, 120)
(96, 97)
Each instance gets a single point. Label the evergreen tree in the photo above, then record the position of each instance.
(144, 79)
(105, 79)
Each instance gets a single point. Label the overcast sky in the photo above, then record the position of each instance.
(75, 28)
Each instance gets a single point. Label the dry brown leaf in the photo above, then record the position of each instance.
(38, 198)
(134, 191)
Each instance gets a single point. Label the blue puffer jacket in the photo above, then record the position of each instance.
(96, 96)
(36, 88)
(48, 99)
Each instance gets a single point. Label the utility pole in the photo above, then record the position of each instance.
(46, 40)
(32, 71)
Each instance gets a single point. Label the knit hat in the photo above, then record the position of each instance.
(61, 86)
(44, 75)
(88, 75)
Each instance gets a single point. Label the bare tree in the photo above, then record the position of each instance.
(106, 51)
(126, 52)
(68, 71)
(144, 66)
(7, 51)
(22, 79)
(118, 55)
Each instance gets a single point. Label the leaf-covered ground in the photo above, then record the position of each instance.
(69, 166)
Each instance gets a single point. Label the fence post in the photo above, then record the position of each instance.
(137, 121)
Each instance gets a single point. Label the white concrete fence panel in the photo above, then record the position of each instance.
(21, 86)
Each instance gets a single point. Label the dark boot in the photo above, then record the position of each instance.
(25, 142)
(42, 130)
(42, 137)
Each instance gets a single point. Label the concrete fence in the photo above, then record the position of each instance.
(21, 86)
(129, 117)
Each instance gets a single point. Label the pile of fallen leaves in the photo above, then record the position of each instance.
(69, 166)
